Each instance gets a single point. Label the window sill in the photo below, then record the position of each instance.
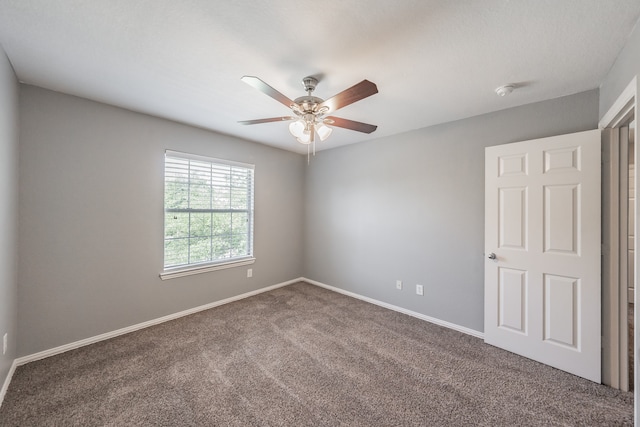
(197, 269)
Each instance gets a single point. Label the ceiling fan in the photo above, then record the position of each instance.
(311, 112)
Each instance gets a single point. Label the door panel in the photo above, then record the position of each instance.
(542, 221)
(513, 304)
(513, 218)
(561, 317)
(561, 218)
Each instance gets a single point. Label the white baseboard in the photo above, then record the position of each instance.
(71, 346)
(420, 316)
(7, 380)
(91, 340)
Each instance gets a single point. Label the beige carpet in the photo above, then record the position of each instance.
(302, 356)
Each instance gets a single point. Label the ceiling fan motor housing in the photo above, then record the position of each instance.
(308, 104)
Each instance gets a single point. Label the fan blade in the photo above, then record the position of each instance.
(269, 120)
(348, 96)
(350, 124)
(268, 90)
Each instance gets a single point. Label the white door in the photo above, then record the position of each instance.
(542, 224)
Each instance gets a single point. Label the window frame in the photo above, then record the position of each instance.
(207, 266)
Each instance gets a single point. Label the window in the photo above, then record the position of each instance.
(208, 214)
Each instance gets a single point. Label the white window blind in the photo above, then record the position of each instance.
(208, 206)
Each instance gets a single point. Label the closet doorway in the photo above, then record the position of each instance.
(619, 219)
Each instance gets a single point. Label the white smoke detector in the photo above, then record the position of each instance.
(505, 90)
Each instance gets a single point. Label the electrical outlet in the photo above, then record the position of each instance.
(250, 272)
(398, 284)
(419, 290)
(4, 343)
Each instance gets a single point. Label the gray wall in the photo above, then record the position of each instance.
(406, 207)
(411, 207)
(8, 212)
(91, 219)
(626, 67)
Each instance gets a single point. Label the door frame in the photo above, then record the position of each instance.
(614, 300)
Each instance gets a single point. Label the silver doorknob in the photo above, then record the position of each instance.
(492, 256)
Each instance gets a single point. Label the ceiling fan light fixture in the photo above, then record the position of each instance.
(304, 139)
(323, 131)
(297, 128)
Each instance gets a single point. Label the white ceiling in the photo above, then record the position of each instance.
(434, 61)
